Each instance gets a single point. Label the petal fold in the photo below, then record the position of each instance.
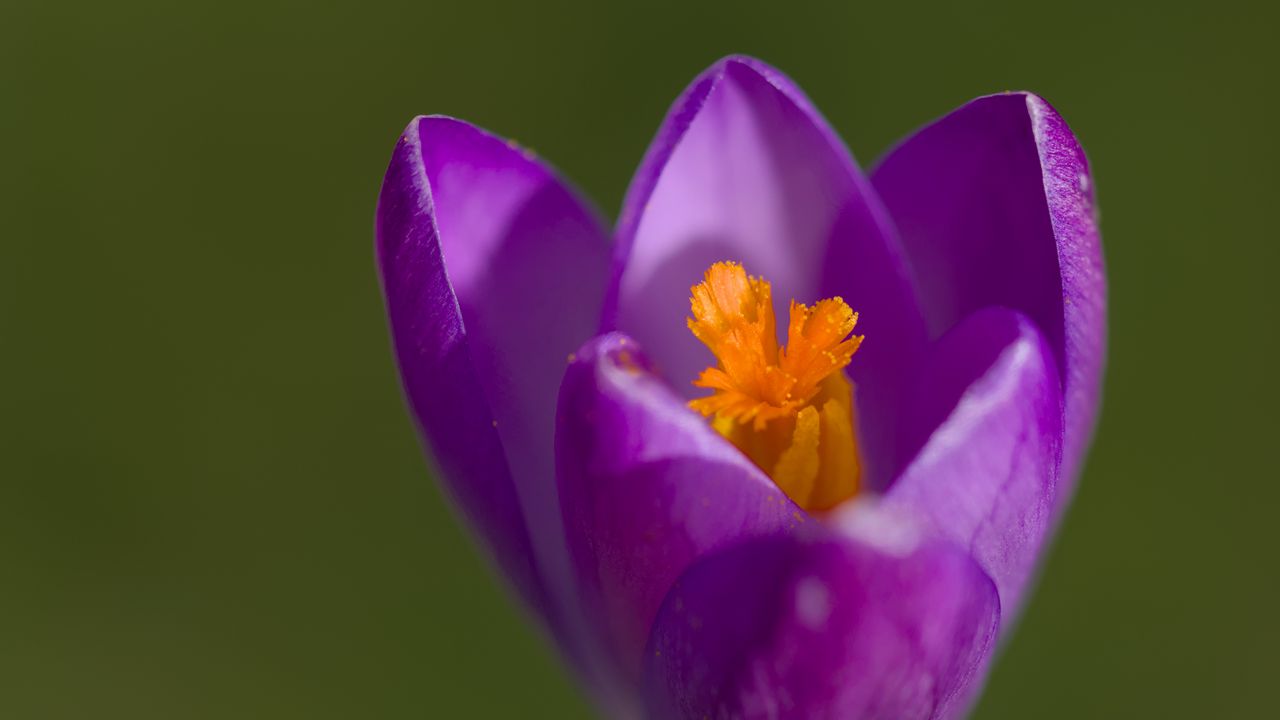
(986, 477)
(744, 168)
(879, 623)
(647, 488)
(995, 206)
(493, 271)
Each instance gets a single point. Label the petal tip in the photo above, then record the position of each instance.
(615, 359)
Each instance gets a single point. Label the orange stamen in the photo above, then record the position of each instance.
(791, 409)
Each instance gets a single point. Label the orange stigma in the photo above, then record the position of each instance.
(788, 409)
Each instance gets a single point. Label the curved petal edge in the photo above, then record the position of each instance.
(986, 478)
(474, 239)
(647, 488)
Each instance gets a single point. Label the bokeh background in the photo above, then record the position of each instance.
(212, 503)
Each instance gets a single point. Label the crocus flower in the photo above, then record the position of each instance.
(713, 518)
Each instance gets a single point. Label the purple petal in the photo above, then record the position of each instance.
(493, 272)
(995, 206)
(987, 476)
(877, 625)
(647, 488)
(744, 168)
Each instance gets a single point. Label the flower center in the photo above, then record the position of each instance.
(788, 409)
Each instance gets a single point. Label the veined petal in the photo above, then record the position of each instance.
(995, 206)
(745, 169)
(647, 488)
(987, 475)
(877, 623)
(493, 272)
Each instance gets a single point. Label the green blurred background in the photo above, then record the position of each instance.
(212, 502)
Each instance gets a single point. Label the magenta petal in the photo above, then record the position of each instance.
(493, 272)
(995, 206)
(880, 625)
(987, 476)
(647, 488)
(744, 168)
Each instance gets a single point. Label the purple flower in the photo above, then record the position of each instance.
(773, 561)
